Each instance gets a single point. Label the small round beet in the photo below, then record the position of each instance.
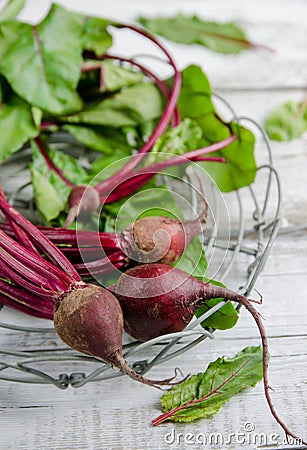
(159, 239)
(82, 200)
(90, 320)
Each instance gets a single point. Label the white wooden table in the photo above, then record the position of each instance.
(117, 414)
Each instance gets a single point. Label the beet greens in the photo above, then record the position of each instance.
(107, 102)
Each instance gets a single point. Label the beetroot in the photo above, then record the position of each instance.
(88, 318)
(82, 200)
(157, 299)
(159, 238)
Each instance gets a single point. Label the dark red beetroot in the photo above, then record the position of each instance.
(157, 299)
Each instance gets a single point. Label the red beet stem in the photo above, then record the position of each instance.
(102, 265)
(30, 285)
(78, 238)
(33, 261)
(50, 163)
(22, 237)
(25, 309)
(140, 177)
(136, 182)
(28, 299)
(38, 237)
(115, 179)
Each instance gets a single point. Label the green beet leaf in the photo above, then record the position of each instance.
(176, 141)
(240, 167)
(95, 36)
(193, 260)
(116, 77)
(47, 199)
(195, 95)
(103, 139)
(42, 63)
(17, 122)
(195, 102)
(219, 37)
(202, 395)
(223, 319)
(109, 77)
(47, 181)
(11, 10)
(131, 106)
(287, 122)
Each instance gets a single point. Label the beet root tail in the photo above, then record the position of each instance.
(117, 360)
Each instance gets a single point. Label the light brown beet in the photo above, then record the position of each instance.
(159, 239)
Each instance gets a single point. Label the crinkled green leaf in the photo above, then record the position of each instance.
(116, 77)
(17, 123)
(287, 122)
(219, 37)
(44, 180)
(11, 10)
(223, 378)
(42, 63)
(195, 102)
(131, 106)
(95, 35)
(149, 200)
(176, 141)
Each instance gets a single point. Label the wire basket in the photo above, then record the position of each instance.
(251, 239)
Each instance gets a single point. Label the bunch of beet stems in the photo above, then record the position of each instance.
(87, 244)
(95, 253)
(119, 185)
(37, 279)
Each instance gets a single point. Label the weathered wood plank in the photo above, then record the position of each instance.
(117, 414)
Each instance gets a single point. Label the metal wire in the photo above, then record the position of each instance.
(252, 238)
